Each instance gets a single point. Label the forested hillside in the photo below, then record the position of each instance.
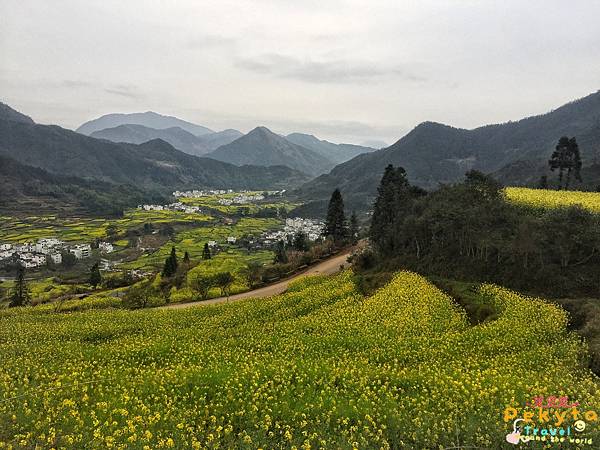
(433, 153)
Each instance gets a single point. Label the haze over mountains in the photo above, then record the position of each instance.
(433, 153)
(153, 166)
(338, 153)
(148, 119)
(176, 136)
(515, 153)
(303, 152)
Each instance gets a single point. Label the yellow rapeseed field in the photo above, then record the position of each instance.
(546, 199)
(317, 367)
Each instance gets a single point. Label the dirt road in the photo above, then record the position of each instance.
(329, 266)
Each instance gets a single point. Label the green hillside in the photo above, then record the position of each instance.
(318, 367)
(433, 153)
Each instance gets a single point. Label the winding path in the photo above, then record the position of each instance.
(327, 267)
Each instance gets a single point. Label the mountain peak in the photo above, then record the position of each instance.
(148, 119)
(260, 130)
(263, 147)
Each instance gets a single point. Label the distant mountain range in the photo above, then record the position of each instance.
(338, 153)
(299, 151)
(433, 153)
(176, 136)
(153, 166)
(148, 119)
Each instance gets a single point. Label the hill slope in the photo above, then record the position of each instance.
(363, 372)
(433, 153)
(176, 136)
(338, 153)
(263, 147)
(215, 140)
(155, 164)
(148, 119)
(138, 134)
(30, 189)
(7, 113)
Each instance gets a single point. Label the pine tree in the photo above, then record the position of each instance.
(170, 266)
(95, 276)
(20, 295)
(566, 157)
(335, 223)
(353, 228)
(206, 252)
(174, 262)
(186, 258)
(392, 197)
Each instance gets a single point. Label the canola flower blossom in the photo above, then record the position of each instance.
(317, 367)
(541, 199)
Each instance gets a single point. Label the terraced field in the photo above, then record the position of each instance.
(32, 228)
(317, 367)
(193, 240)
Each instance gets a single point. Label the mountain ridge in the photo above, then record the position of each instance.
(152, 165)
(148, 119)
(434, 153)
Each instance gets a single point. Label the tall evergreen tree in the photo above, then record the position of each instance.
(170, 266)
(392, 198)
(566, 157)
(206, 251)
(353, 228)
(335, 223)
(20, 295)
(95, 276)
(186, 258)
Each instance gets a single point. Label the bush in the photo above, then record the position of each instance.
(143, 295)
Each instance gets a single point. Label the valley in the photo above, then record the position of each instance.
(299, 225)
(238, 229)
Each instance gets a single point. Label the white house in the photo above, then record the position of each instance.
(46, 246)
(212, 243)
(29, 260)
(106, 247)
(231, 240)
(81, 251)
(26, 247)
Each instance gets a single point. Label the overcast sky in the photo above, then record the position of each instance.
(344, 70)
